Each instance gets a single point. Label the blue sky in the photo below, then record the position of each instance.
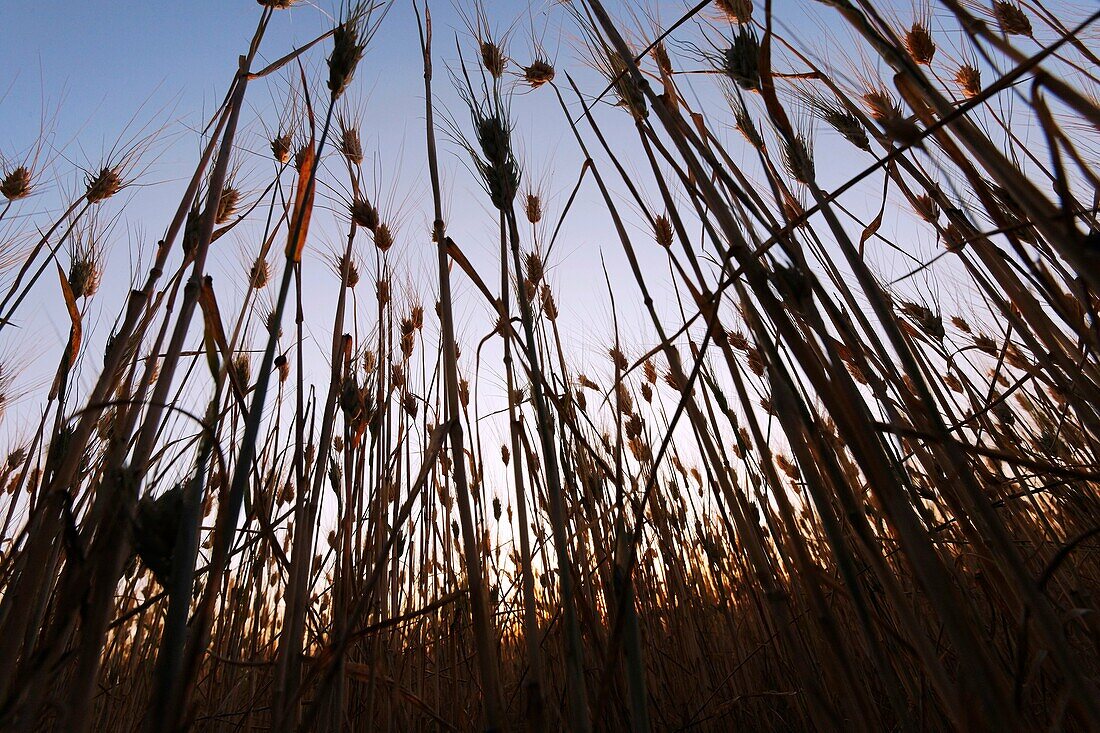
(95, 68)
(99, 70)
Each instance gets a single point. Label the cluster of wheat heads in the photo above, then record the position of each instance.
(847, 479)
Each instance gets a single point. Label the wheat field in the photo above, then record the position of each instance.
(708, 366)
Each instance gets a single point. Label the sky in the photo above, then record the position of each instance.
(94, 74)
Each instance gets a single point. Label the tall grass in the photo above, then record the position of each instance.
(819, 496)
